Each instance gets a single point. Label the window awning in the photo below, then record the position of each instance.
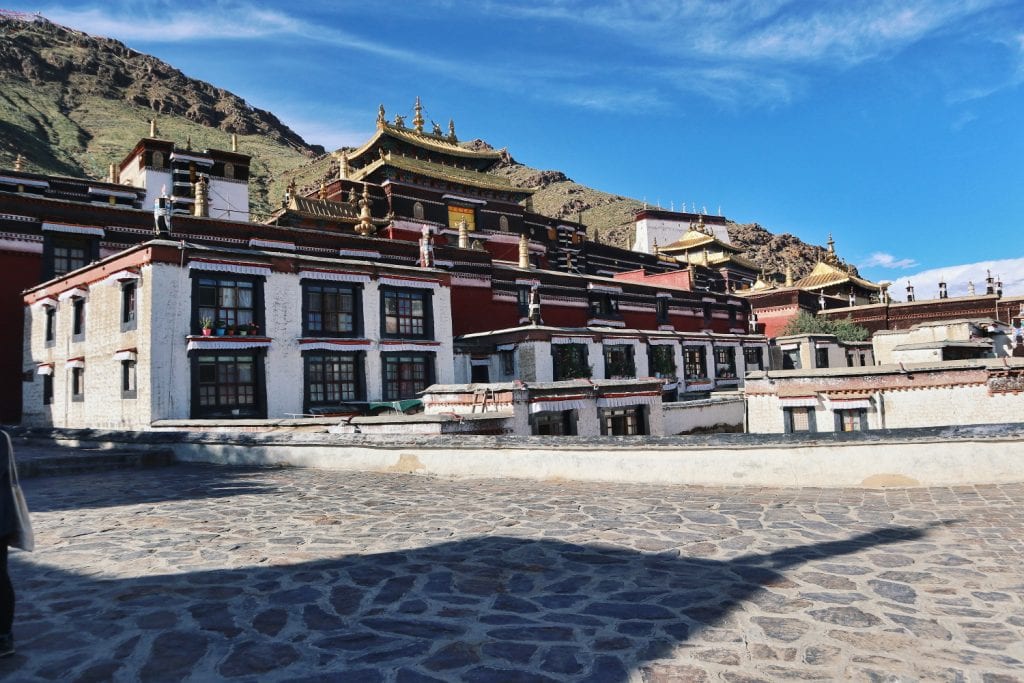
(220, 344)
(798, 401)
(333, 345)
(75, 363)
(850, 403)
(558, 406)
(76, 293)
(402, 282)
(271, 244)
(125, 354)
(229, 267)
(45, 302)
(571, 340)
(45, 369)
(622, 401)
(75, 229)
(410, 346)
(333, 276)
(359, 253)
(121, 276)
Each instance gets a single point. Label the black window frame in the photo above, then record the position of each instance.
(47, 389)
(789, 415)
(52, 243)
(560, 360)
(632, 418)
(129, 379)
(429, 359)
(358, 361)
(821, 357)
(199, 279)
(129, 305)
(77, 384)
(661, 308)
(507, 361)
(257, 410)
(603, 305)
(50, 326)
(725, 362)
(523, 300)
(554, 423)
(619, 357)
(699, 352)
(355, 290)
(78, 319)
(861, 415)
(753, 356)
(427, 296)
(791, 359)
(655, 350)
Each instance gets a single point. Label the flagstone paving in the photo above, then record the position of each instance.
(203, 573)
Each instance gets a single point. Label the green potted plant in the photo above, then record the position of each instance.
(219, 329)
(206, 324)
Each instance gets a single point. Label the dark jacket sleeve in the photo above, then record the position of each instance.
(7, 519)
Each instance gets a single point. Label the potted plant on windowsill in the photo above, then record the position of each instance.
(231, 330)
(206, 324)
(253, 329)
(219, 329)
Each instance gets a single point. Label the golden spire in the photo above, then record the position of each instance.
(789, 276)
(417, 121)
(234, 142)
(322, 195)
(344, 170)
(365, 226)
(451, 130)
(704, 260)
(381, 117)
(524, 251)
(152, 128)
(201, 208)
(657, 249)
(831, 258)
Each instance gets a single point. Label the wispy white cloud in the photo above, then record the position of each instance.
(926, 283)
(881, 259)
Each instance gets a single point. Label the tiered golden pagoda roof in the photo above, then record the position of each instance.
(435, 170)
(322, 208)
(827, 275)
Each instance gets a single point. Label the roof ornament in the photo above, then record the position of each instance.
(152, 128)
(322, 194)
(365, 226)
(789, 276)
(970, 288)
(19, 162)
(417, 121)
(463, 234)
(399, 120)
(234, 142)
(353, 199)
(201, 208)
(381, 117)
(831, 258)
(436, 128)
(345, 169)
(657, 249)
(533, 308)
(524, 251)
(289, 193)
(451, 130)
(426, 248)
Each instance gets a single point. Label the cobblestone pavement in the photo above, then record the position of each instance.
(208, 573)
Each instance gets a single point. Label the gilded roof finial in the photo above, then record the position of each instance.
(451, 130)
(463, 234)
(19, 162)
(399, 120)
(524, 251)
(381, 116)
(322, 195)
(344, 170)
(365, 226)
(657, 249)
(417, 121)
(789, 276)
(152, 128)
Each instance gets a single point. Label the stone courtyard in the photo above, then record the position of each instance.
(200, 572)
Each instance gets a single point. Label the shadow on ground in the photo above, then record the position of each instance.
(125, 487)
(484, 609)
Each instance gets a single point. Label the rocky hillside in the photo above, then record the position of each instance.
(71, 104)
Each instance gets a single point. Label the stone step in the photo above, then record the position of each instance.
(58, 461)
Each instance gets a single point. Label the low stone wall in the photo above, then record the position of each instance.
(910, 457)
(686, 416)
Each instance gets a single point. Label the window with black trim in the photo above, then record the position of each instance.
(626, 421)
(77, 384)
(129, 307)
(406, 374)
(406, 313)
(523, 300)
(753, 358)
(662, 361)
(725, 362)
(51, 325)
(333, 379)
(791, 359)
(128, 379)
(708, 317)
(230, 302)
(603, 304)
(553, 423)
(694, 363)
(508, 362)
(331, 310)
(77, 319)
(799, 419)
(821, 358)
(618, 361)
(47, 390)
(853, 420)
(227, 385)
(570, 361)
(67, 256)
(661, 304)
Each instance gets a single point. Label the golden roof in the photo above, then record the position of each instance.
(828, 275)
(321, 208)
(424, 140)
(694, 239)
(441, 171)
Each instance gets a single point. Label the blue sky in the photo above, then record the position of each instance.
(896, 126)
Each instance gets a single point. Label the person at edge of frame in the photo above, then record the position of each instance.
(8, 525)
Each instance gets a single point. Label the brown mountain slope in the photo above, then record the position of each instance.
(71, 104)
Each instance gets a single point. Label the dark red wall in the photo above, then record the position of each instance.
(18, 271)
